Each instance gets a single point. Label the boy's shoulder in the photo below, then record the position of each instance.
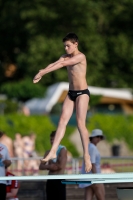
(69, 56)
(65, 56)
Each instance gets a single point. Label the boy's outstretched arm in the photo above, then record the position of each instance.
(39, 75)
(58, 64)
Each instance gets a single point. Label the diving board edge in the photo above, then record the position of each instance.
(128, 177)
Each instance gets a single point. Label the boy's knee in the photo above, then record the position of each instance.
(80, 123)
(63, 121)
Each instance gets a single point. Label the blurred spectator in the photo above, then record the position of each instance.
(106, 168)
(12, 187)
(26, 111)
(54, 188)
(69, 156)
(29, 145)
(4, 162)
(29, 152)
(7, 141)
(18, 152)
(94, 189)
(69, 163)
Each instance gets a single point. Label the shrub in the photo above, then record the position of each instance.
(8, 106)
(113, 126)
(23, 91)
(40, 125)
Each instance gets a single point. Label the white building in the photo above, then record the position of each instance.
(57, 92)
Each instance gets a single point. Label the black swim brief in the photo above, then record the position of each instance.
(73, 94)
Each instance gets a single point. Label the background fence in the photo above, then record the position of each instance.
(30, 166)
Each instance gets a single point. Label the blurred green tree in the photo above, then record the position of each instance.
(32, 32)
(23, 91)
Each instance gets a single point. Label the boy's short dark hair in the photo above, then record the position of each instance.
(52, 134)
(71, 37)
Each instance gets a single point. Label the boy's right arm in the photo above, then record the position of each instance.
(39, 75)
(59, 64)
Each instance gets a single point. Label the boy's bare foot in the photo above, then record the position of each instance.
(37, 78)
(50, 156)
(88, 165)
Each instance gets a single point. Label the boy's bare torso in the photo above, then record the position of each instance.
(77, 74)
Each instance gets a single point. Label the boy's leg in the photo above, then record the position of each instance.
(67, 111)
(81, 112)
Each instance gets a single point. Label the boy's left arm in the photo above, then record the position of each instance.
(59, 64)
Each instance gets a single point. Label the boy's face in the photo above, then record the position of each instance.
(70, 47)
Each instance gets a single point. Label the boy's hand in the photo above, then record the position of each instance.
(37, 78)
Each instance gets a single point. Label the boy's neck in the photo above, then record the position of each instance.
(75, 53)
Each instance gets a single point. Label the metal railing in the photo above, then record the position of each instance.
(30, 166)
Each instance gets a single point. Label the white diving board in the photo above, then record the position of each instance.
(101, 178)
(78, 178)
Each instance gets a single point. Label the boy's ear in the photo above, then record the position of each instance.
(76, 43)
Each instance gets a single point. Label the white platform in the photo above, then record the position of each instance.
(79, 178)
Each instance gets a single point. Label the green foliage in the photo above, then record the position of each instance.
(56, 108)
(94, 100)
(22, 91)
(40, 125)
(8, 106)
(66, 141)
(113, 126)
(32, 39)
